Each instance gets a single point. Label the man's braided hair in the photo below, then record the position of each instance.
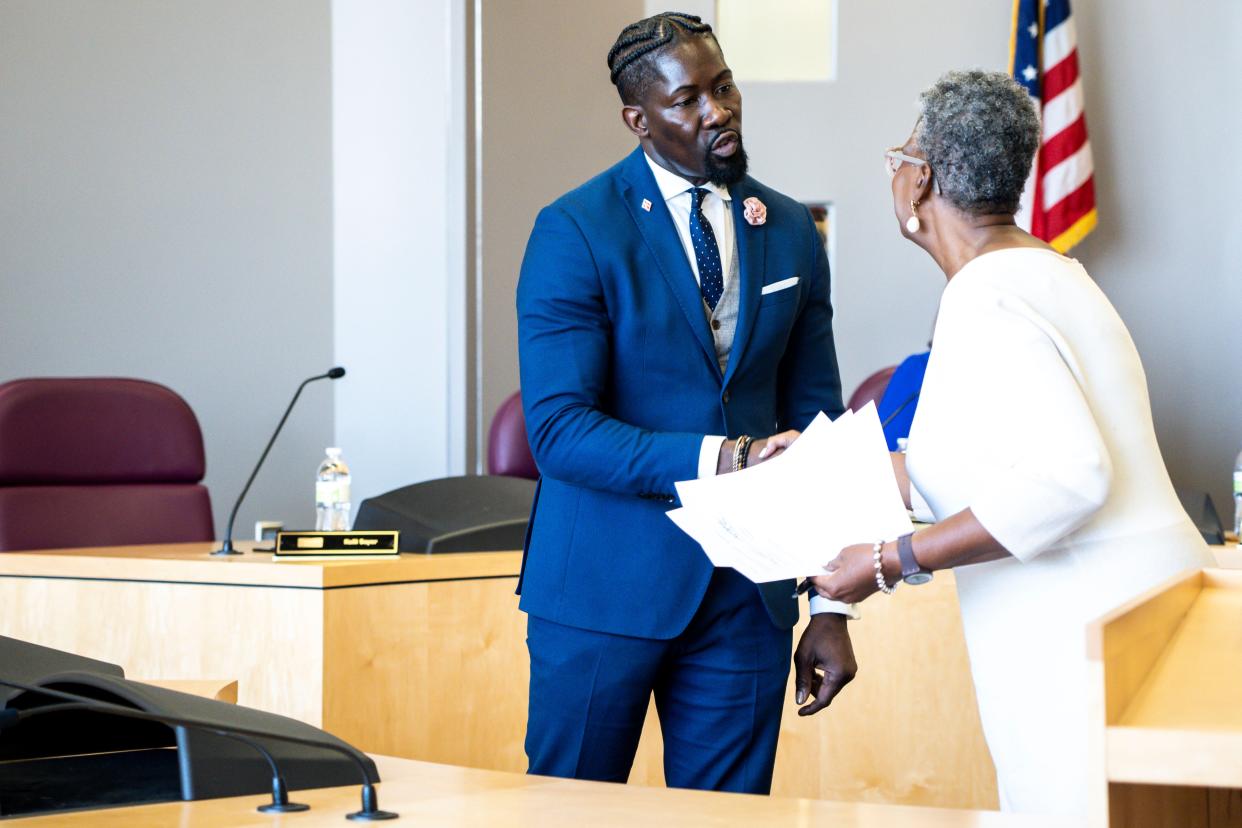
(630, 58)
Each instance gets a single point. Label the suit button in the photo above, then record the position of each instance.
(715, 324)
(725, 396)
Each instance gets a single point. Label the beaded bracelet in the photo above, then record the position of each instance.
(740, 449)
(876, 551)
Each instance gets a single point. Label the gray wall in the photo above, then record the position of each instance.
(1163, 111)
(166, 213)
(166, 200)
(550, 120)
(1162, 107)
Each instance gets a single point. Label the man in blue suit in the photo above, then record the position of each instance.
(667, 308)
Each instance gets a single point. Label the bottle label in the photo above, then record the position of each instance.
(1237, 483)
(331, 492)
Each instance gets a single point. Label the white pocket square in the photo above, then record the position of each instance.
(781, 285)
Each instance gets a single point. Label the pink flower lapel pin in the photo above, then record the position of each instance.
(754, 211)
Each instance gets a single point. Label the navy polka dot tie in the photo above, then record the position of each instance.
(706, 251)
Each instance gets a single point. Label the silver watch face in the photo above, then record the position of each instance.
(917, 578)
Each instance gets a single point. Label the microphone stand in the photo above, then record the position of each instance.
(370, 802)
(280, 803)
(226, 548)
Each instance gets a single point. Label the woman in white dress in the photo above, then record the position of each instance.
(1032, 448)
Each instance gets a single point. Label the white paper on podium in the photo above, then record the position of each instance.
(789, 516)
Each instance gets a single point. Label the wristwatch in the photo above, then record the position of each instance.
(911, 572)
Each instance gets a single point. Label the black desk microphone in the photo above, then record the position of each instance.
(226, 547)
(10, 717)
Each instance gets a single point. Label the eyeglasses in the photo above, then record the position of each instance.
(894, 158)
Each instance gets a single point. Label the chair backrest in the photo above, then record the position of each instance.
(508, 449)
(99, 462)
(871, 389)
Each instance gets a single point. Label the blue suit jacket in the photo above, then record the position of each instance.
(620, 383)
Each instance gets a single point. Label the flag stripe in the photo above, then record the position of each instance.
(1061, 77)
(1067, 142)
(1062, 110)
(1066, 177)
(1061, 217)
(1058, 43)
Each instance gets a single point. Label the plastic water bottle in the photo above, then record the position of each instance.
(1237, 497)
(332, 494)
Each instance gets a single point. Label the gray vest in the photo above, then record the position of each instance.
(723, 321)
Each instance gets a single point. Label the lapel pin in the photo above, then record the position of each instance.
(646, 205)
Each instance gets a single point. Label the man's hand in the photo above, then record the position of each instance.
(758, 452)
(825, 646)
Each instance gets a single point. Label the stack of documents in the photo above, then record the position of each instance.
(788, 516)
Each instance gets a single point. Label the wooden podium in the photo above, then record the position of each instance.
(1166, 671)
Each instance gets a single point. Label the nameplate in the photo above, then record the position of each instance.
(336, 544)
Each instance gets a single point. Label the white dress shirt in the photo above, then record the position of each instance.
(717, 210)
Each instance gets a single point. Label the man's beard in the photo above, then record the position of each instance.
(725, 172)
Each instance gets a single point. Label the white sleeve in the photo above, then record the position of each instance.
(918, 504)
(709, 455)
(821, 604)
(1059, 472)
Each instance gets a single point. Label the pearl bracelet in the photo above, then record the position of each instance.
(876, 551)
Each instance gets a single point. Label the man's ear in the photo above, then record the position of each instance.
(636, 120)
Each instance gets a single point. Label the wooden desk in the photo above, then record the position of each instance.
(428, 794)
(424, 657)
(1167, 706)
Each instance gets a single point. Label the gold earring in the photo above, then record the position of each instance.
(913, 224)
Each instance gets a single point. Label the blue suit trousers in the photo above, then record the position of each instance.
(719, 688)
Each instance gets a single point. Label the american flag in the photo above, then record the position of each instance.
(1059, 203)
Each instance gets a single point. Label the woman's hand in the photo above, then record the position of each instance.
(851, 575)
(777, 443)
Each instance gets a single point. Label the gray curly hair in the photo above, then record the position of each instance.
(979, 131)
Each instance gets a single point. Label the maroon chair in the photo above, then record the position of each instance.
(871, 389)
(99, 462)
(508, 449)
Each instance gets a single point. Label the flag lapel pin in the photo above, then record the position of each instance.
(646, 205)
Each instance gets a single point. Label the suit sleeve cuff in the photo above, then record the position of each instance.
(821, 604)
(709, 455)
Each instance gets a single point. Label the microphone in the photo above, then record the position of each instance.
(227, 547)
(900, 408)
(280, 803)
(370, 802)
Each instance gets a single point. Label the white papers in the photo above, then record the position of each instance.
(787, 517)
